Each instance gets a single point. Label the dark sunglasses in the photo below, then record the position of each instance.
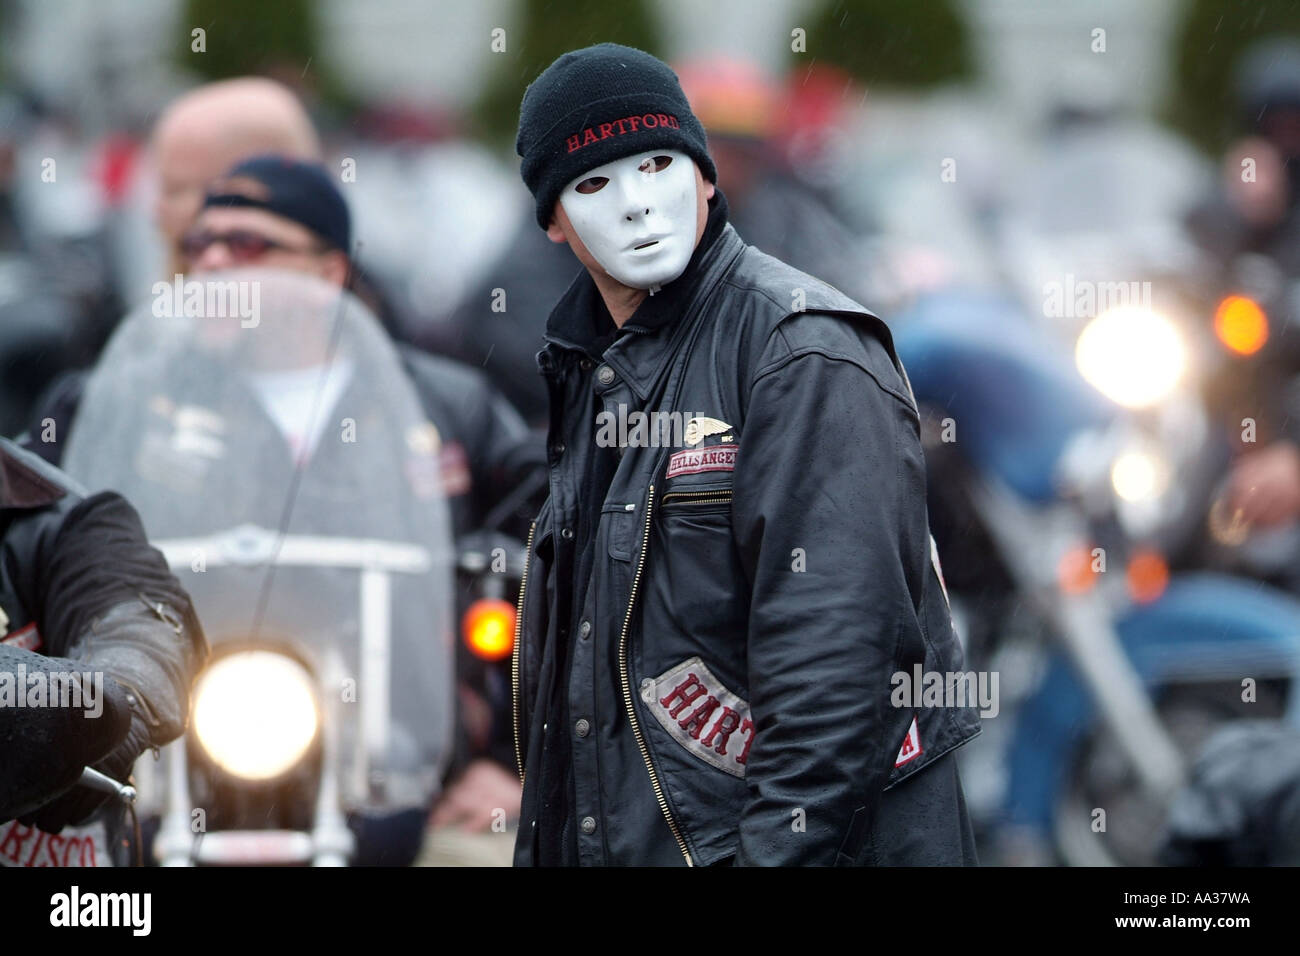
(244, 246)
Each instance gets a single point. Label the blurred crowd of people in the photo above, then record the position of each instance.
(434, 233)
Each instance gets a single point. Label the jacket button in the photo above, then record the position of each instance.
(604, 375)
(582, 727)
(588, 825)
(585, 630)
(586, 364)
(566, 533)
(559, 449)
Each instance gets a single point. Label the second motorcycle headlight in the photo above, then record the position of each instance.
(1132, 355)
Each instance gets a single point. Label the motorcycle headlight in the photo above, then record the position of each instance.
(1132, 355)
(1139, 475)
(255, 713)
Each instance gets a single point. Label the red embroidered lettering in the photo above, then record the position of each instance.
(588, 136)
(748, 725)
(52, 850)
(691, 461)
(645, 121)
(619, 124)
(696, 721)
(40, 839)
(13, 843)
(606, 130)
(723, 728)
(572, 142)
(632, 121)
(664, 120)
(692, 686)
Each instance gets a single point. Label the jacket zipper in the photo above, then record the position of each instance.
(516, 692)
(627, 687)
(716, 497)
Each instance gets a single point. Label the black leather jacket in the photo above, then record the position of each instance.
(79, 580)
(754, 586)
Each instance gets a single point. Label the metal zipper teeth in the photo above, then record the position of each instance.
(698, 497)
(627, 686)
(515, 693)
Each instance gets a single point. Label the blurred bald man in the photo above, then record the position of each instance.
(207, 131)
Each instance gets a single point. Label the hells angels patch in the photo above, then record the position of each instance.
(692, 461)
(714, 724)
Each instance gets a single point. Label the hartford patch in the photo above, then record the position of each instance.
(714, 724)
(702, 715)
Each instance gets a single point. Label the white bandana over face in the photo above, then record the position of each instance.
(637, 216)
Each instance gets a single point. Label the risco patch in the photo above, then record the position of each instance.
(72, 846)
(692, 461)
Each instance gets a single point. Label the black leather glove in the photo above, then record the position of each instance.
(44, 748)
(76, 805)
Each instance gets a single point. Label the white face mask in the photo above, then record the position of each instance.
(637, 216)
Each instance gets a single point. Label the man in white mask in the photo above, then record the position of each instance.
(716, 608)
(636, 219)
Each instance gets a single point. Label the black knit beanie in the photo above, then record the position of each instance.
(596, 105)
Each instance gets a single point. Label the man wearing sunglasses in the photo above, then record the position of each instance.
(284, 213)
(278, 212)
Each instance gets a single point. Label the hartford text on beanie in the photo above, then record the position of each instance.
(596, 105)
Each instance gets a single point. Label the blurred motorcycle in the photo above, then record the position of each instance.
(281, 462)
(1055, 490)
(1251, 388)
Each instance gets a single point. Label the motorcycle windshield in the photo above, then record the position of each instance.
(262, 424)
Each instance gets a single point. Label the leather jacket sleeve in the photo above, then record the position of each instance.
(829, 518)
(106, 598)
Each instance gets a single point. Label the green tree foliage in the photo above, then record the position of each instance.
(279, 38)
(547, 29)
(1207, 48)
(899, 43)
